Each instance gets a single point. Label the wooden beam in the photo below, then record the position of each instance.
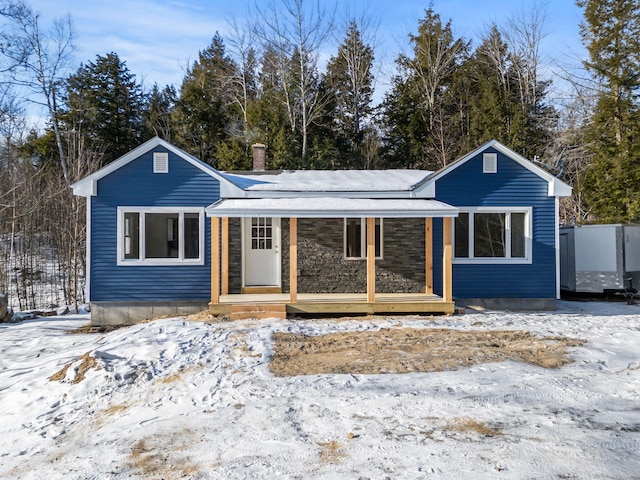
(293, 259)
(371, 260)
(225, 256)
(215, 260)
(428, 255)
(353, 308)
(447, 256)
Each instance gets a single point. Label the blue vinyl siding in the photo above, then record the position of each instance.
(512, 186)
(135, 184)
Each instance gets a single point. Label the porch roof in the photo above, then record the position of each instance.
(330, 207)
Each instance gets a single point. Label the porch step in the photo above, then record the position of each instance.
(258, 311)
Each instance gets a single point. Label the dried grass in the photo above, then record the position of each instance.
(87, 362)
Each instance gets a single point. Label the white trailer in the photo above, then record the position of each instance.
(600, 258)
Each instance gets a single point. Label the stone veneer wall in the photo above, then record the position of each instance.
(235, 255)
(323, 269)
(403, 267)
(321, 264)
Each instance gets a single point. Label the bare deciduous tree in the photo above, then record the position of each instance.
(37, 60)
(296, 33)
(436, 55)
(242, 45)
(524, 33)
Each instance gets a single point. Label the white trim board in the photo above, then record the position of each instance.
(330, 207)
(88, 185)
(528, 233)
(557, 188)
(179, 261)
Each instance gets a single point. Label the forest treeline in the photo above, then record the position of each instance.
(264, 82)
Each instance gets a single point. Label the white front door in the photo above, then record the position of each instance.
(261, 252)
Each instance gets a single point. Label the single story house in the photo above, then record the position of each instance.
(168, 234)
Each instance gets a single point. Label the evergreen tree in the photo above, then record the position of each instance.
(293, 36)
(350, 82)
(611, 183)
(403, 127)
(206, 116)
(496, 108)
(269, 116)
(490, 109)
(421, 120)
(105, 103)
(157, 112)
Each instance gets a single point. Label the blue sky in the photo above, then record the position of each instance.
(158, 38)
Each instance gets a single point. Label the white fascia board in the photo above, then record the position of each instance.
(88, 185)
(557, 188)
(334, 207)
(426, 190)
(230, 190)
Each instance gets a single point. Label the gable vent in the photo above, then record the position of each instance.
(490, 163)
(160, 162)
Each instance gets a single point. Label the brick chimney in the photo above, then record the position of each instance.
(259, 157)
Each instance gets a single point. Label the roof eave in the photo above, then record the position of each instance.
(243, 208)
(88, 186)
(278, 213)
(557, 188)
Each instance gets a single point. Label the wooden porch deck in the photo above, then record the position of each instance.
(264, 305)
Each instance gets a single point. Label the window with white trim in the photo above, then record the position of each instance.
(160, 235)
(493, 235)
(355, 238)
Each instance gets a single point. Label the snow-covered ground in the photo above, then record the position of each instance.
(178, 399)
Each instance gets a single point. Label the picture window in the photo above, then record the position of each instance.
(160, 235)
(493, 235)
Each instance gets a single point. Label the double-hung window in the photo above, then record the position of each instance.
(160, 235)
(493, 235)
(355, 238)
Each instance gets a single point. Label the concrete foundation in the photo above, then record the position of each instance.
(535, 304)
(127, 313)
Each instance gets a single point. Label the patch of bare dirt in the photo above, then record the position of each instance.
(331, 452)
(87, 329)
(406, 350)
(152, 458)
(87, 362)
(204, 316)
(465, 424)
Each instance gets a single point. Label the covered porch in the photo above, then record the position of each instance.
(277, 305)
(269, 302)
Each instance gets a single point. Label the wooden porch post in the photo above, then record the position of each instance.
(293, 259)
(225, 256)
(371, 260)
(215, 260)
(428, 255)
(447, 255)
